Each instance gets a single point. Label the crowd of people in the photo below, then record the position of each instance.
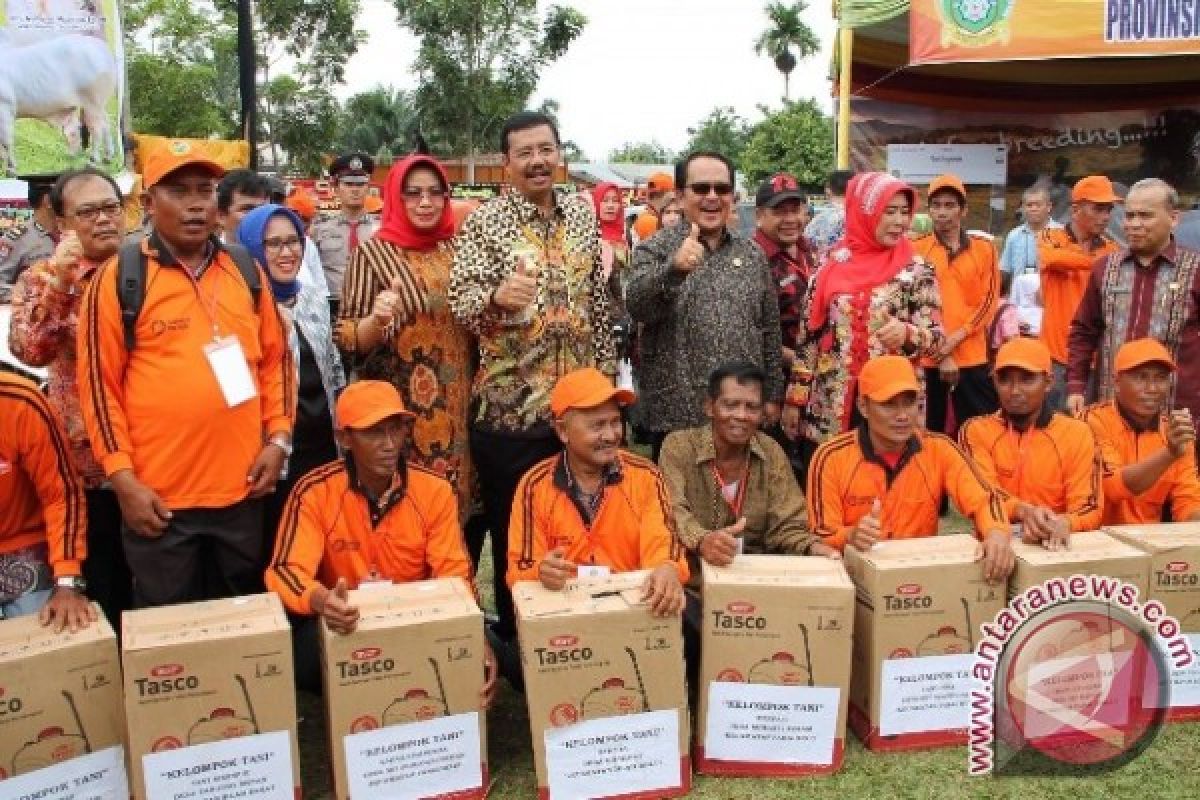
(244, 396)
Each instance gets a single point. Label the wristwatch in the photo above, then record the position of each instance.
(282, 443)
(75, 583)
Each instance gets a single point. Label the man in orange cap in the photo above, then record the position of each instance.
(968, 276)
(594, 506)
(369, 517)
(1045, 464)
(658, 185)
(1149, 469)
(191, 416)
(1067, 256)
(886, 479)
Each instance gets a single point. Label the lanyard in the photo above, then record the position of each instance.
(739, 498)
(208, 303)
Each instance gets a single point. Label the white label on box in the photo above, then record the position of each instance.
(418, 759)
(771, 724)
(1185, 683)
(931, 693)
(95, 776)
(1076, 693)
(614, 756)
(258, 767)
(586, 571)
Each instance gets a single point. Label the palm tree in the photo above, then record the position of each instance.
(379, 119)
(787, 30)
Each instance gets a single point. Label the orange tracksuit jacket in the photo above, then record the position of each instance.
(158, 409)
(970, 288)
(846, 477)
(1055, 464)
(330, 530)
(1066, 266)
(1122, 445)
(634, 528)
(41, 497)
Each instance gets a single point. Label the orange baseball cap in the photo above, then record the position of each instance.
(586, 388)
(365, 403)
(1142, 351)
(884, 377)
(1025, 353)
(660, 182)
(1094, 189)
(175, 155)
(947, 182)
(303, 203)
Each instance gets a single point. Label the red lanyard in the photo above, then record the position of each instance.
(208, 303)
(739, 498)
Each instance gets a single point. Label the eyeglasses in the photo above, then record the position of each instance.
(92, 213)
(705, 189)
(277, 245)
(414, 195)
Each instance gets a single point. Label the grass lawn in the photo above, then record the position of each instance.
(1170, 767)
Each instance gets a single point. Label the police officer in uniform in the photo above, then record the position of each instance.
(36, 242)
(336, 235)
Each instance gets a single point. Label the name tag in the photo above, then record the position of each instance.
(228, 363)
(593, 571)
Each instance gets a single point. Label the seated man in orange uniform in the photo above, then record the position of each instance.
(370, 516)
(1149, 463)
(886, 479)
(1045, 464)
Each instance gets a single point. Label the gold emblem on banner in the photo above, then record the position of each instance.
(975, 23)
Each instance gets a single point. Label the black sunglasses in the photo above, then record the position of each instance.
(703, 189)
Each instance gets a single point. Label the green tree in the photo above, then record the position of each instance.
(376, 120)
(304, 122)
(722, 131)
(787, 31)
(479, 62)
(797, 139)
(641, 153)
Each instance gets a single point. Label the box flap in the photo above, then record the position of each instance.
(394, 605)
(1158, 538)
(766, 570)
(619, 592)
(1085, 547)
(956, 548)
(23, 636)
(202, 622)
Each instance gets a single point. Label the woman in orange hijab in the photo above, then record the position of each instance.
(872, 296)
(395, 323)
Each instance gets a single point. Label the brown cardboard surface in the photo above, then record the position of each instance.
(915, 598)
(594, 650)
(1090, 553)
(202, 672)
(1174, 574)
(60, 694)
(781, 620)
(417, 654)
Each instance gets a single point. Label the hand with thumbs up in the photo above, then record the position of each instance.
(334, 607)
(387, 303)
(893, 334)
(869, 529)
(719, 547)
(691, 253)
(555, 570)
(519, 289)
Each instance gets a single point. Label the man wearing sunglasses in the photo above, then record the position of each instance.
(704, 297)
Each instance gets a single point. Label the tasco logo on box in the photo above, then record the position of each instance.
(740, 607)
(165, 679)
(366, 653)
(739, 615)
(908, 596)
(1178, 566)
(562, 649)
(564, 641)
(908, 589)
(166, 670)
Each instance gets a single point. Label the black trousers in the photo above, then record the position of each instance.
(205, 553)
(501, 461)
(109, 583)
(973, 396)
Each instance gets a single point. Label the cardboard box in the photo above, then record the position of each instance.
(1090, 553)
(416, 656)
(919, 606)
(775, 666)
(1174, 581)
(604, 680)
(198, 675)
(60, 696)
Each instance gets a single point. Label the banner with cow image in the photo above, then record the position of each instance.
(62, 76)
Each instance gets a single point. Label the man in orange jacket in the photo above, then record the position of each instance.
(1067, 256)
(43, 516)
(1045, 464)
(1149, 464)
(968, 277)
(193, 423)
(370, 517)
(887, 478)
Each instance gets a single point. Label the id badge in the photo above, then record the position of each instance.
(593, 571)
(228, 363)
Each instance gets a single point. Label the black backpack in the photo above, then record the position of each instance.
(131, 281)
